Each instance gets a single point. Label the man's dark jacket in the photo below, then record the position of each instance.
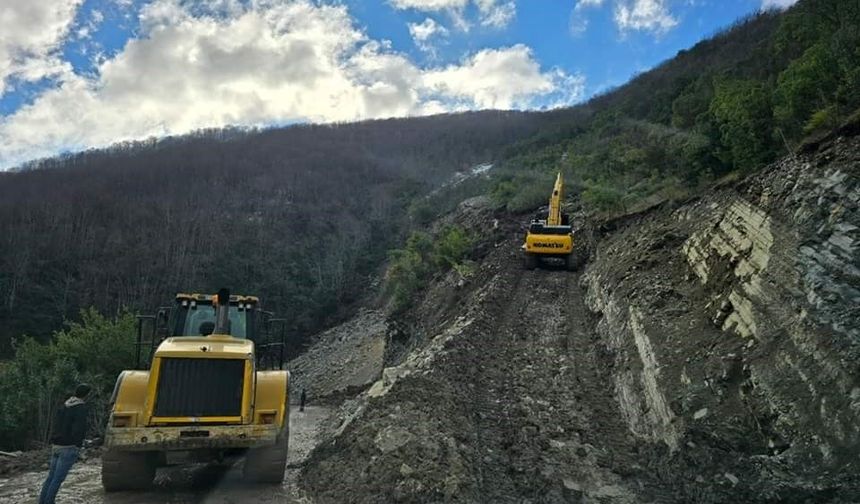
(70, 425)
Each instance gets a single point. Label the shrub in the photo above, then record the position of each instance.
(412, 267)
(41, 376)
(525, 191)
(451, 247)
(602, 197)
(824, 119)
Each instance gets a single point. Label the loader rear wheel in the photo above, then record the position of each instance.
(530, 261)
(268, 464)
(127, 470)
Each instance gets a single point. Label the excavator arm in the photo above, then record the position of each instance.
(554, 218)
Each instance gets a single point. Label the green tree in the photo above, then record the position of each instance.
(692, 102)
(743, 112)
(94, 351)
(808, 85)
(451, 248)
(411, 267)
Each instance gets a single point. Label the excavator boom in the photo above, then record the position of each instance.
(554, 217)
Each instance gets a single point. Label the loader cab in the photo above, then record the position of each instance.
(194, 315)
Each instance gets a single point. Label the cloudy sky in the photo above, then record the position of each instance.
(77, 74)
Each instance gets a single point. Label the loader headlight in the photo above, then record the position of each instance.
(268, 417)
(121, 421)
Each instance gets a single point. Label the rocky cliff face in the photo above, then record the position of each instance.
(735, 317)
(708, 353)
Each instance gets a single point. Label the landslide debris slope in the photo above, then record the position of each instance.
(707, 353)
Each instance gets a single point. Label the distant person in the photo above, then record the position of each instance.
(70, 426)
(303, 400)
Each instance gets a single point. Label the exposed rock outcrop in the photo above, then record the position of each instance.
(707, 354)
(745, 302)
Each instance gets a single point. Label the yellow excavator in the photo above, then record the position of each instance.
(550, 235)
(207, 395)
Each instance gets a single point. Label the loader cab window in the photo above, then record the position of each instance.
(200, 321)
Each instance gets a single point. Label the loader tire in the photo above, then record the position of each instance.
(530, 261)
(267, 464)
(123, 470)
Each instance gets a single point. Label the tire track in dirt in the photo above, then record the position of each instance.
(512, 402)
(547, 424)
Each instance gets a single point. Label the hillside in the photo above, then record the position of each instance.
(299, 216)
(725, 108)
(705, 354)
(322, 220)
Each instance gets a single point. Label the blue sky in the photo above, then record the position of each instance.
(79, 74)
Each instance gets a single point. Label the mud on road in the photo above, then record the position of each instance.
(486, 412)
(199, 484)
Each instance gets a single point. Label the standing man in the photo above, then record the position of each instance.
(69, 429)
(303, 399)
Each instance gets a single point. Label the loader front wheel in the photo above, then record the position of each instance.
(127, 470)
(267, 464)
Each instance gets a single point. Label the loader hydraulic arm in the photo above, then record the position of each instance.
(554, 218)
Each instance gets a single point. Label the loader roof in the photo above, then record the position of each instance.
(215, 347)
(234, 298)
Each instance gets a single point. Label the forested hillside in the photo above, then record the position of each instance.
(726, 107)
(299, 216)
(304, 216)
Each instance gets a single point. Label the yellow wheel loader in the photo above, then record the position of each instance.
(206, 396)
(549, 235)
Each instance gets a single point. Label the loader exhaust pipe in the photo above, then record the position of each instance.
(222, 312)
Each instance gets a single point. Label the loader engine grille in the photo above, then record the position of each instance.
(200, 388)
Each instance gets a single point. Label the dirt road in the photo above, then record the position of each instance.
(547, 423)
(198, 484)
(512, 402)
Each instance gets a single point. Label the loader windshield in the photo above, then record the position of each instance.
(200, 321)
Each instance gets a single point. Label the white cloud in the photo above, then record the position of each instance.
(644, 15)
(86, 30)
(496, 14)
(423, 32)
(31, 35)
(777, 4)
(503, 78)
(491, 13)
(578, 23)
(429, 5)
(274, 62)
(641, 15)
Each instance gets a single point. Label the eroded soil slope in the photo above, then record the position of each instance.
(484, 413)
(706, 354)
